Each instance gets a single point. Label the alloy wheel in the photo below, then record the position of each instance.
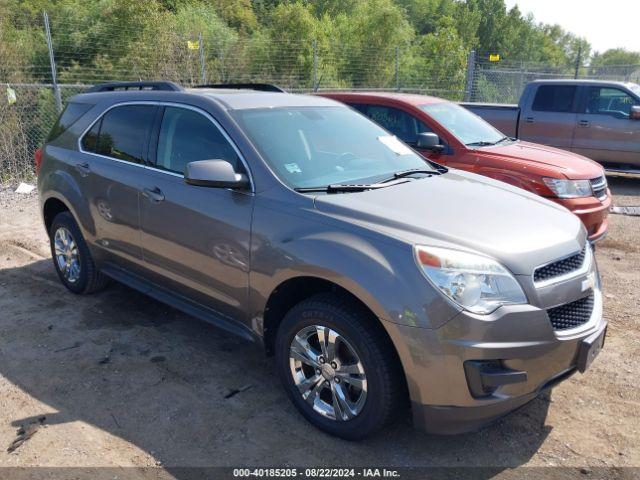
(67, 254)
(328, 373)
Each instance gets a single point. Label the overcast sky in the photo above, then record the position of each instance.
(605, 24)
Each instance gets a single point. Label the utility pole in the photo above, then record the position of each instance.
(52, 62)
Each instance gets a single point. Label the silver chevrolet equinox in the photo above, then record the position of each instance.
(378, 280)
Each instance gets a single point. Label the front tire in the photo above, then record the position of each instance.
(71, 257)
(339, 367)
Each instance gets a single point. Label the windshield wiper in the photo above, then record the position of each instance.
(341, 187)
(413, 171)
(483, 143)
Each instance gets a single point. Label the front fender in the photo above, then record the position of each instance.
(379, 271)
(516, 180)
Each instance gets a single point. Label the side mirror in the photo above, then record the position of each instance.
(215, 174)
(634, 114)
(429, 141)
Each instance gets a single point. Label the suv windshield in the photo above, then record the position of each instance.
(319, 146)
(464, 125)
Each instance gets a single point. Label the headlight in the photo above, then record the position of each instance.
(476, 283)
(569, 188)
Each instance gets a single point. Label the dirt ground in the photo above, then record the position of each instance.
(122, 380)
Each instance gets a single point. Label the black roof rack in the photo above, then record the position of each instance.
(113, 86)
(262, 87)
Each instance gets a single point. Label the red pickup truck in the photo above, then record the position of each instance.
(449, 134)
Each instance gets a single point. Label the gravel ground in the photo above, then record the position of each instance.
(117, 379)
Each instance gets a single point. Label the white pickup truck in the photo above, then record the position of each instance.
(597, 119)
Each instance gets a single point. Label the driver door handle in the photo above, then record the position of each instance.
(154, 194)
(583, 123)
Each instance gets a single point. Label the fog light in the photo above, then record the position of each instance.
(484, 377)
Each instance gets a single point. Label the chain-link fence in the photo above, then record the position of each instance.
(503, 81)
(25, 123)
(39, 71)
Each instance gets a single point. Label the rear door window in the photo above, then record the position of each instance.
(122, 133)
(555, 98)
(188, 136)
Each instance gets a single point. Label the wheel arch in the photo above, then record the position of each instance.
(57, 188)
(296, 289)
(51, 208)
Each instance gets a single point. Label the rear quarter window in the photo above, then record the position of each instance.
(70, 115)
(555, 98)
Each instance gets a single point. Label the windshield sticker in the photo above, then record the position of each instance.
(292, 168)
(395, 145)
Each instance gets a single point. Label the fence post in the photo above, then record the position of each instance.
(203, 68)
(314, 79)
(52, 62)
(471, 72)
(578, 62)
(397, 68)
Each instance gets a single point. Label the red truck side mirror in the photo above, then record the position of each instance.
(429, 141)
(634, 114)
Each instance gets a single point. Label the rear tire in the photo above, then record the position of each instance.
(363, 362)
(71, 257)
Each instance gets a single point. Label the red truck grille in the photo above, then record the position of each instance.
(599, 187)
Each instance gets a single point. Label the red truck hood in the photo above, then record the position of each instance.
(572, 165)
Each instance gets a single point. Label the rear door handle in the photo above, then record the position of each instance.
(584, 123)
(529, 120)
(153, 194)
(83, 168)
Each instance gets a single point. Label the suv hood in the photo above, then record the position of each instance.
(572, 165)
(468, 212)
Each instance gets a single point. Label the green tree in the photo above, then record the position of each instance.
(366, 39)
(436, 63)
(616, 56)
(617, 62)
(283, 49)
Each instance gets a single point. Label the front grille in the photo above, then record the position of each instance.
(571, 315)
(561, 267)
(599, 187)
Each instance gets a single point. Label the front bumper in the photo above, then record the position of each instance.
(449, 420)
(520, 338)
(592, 212)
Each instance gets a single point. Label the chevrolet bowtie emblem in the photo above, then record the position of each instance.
(589, 283)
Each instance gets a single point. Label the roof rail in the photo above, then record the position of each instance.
(113, 86)
(262, 87)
